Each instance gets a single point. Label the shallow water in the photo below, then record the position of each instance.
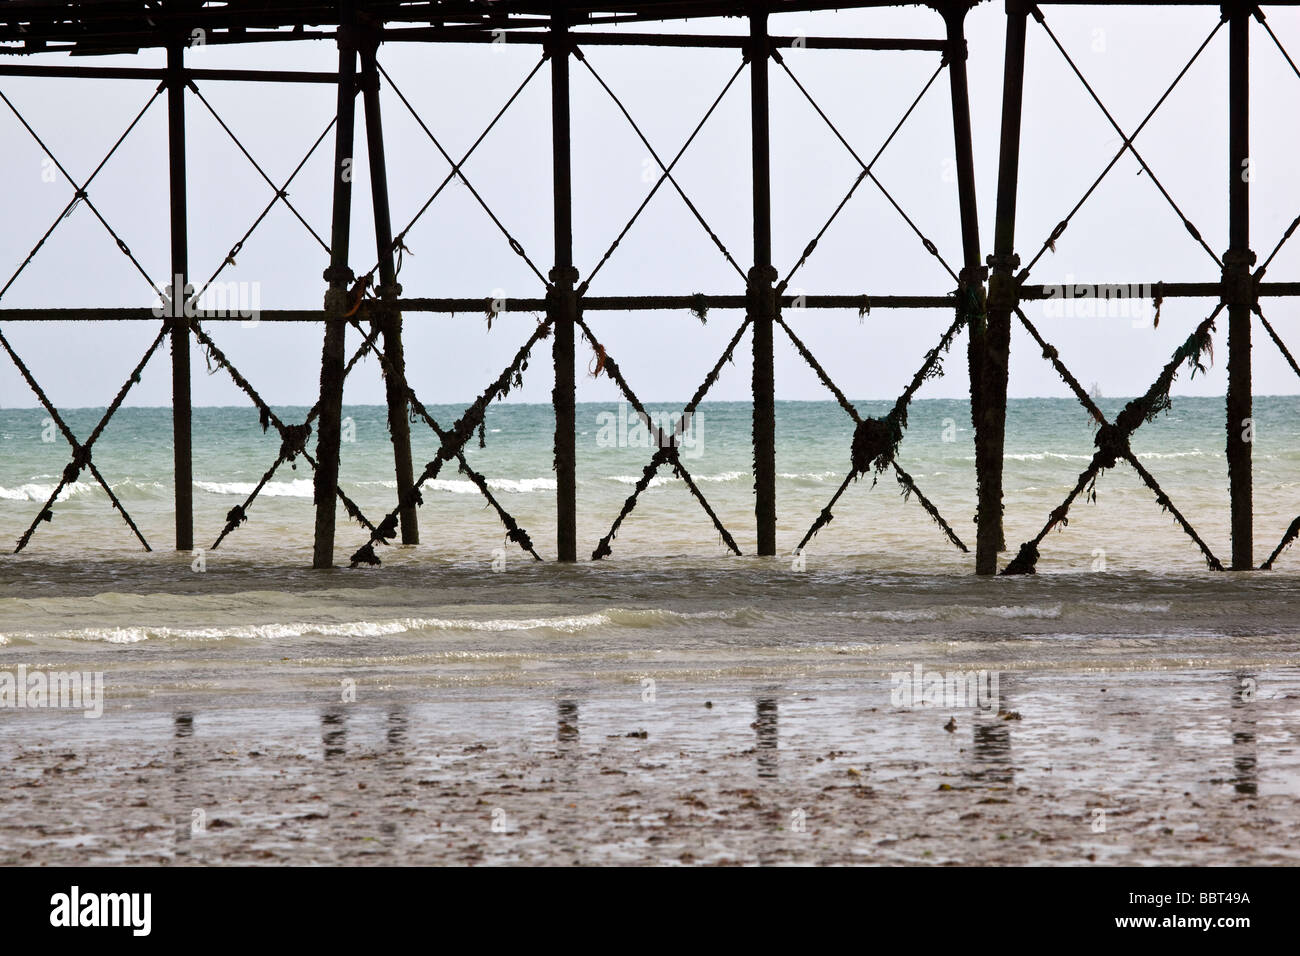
(1049, 441)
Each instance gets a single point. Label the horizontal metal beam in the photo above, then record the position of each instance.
(652, 303)
(706, 41)
(1140, 290)
(617, 303)
(147, 73)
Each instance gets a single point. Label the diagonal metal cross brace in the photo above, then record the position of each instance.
(80, 193)
(399, 239)
(666, 445)
(280, 195)
(279, 191)
(929, 245)
(1127, 146)
(293, 439)
(1112, 438)
(866, 172)
(1295, 223)
(81, 451)
(927, 370)
(1277, 339)
(515, 245)
(1294, 530)
(452, 444)
(666, 174)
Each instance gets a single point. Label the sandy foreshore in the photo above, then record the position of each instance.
(1170, 767)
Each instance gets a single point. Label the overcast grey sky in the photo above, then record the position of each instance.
(1125, 233)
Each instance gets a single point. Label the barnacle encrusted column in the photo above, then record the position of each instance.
(1239, 287)
(990, 420)
(390, 318)
(561, 300)
(338, 275)
(760, 299)
(183, 459)
(974, 273)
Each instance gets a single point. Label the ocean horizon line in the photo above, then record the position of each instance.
(657, 401)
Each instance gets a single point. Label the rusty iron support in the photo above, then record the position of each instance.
(1237, 283)
(182, 414)
(147, 73)
(562, 301)
(472, 308)
(990, 423)
(677, 40)
(973, 272)
(389, 316)
(954, 19)
(338, 275)
(762, 304)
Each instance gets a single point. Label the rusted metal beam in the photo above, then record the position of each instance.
(973, 272)
(390, 317)
(474, 308)
(762, 300)
(155, 74)
(1237, 262)
(182, 414)
(990, 426)
(338, 275)
(677, 40)
(562, 303)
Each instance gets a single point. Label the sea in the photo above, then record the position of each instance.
(1121, 584)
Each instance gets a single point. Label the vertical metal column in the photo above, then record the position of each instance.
(338, 275)
(955, 19)
(562, 303)
(390, 322)
(990, 428)
(761, 300)
(973, 273)
(1238, 287)
(180, 330)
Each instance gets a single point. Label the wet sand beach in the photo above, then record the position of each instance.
(1127, 768)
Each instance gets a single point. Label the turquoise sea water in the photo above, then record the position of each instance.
(1049, 441)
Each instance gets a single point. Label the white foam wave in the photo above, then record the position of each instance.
(949, 611)
(271, 632)
(298, 488)
(566, 624)
(35, 491)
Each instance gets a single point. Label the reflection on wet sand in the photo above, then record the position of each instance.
(767, 747)
(991, 742)
(333, 734)
(566, 724)
(186, 815)
(397, 728)
(440, 779)
(1245, 750)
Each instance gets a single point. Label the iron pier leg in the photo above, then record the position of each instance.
(180, 330)
(1238, 287)
(399, 424)
(338, 275)
(562, 300)
(760, 295)
(990, 427)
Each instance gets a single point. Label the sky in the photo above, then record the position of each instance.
(1126, 233)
